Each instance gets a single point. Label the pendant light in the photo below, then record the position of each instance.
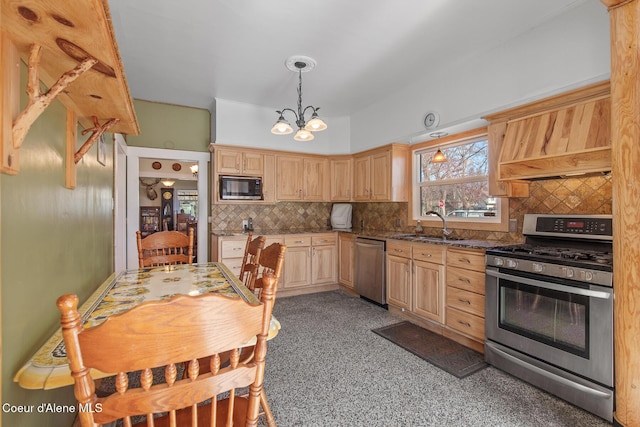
(438, 157)
(305, 129)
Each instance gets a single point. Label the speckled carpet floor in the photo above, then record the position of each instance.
(327, 368)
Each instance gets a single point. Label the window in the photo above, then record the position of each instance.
(458, 188)
(188, 200)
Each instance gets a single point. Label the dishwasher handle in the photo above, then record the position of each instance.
(371, 243)
(368, 245)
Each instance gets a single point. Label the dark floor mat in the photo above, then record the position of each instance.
(440, 351)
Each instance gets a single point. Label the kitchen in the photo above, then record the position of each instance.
(26, 335)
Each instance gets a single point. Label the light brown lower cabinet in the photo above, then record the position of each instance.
(428, 290)
(439, 287)
(310, 260)
(346, 258)
(465, 292)
(323, 259)
(415, 278)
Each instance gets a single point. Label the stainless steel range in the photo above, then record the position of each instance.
(549, 309)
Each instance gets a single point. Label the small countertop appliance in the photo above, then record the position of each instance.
(341, 216)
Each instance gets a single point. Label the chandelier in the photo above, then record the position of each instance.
(305, 129)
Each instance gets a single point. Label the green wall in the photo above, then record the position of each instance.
(53, 241)
(171, 126)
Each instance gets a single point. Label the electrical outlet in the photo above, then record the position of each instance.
(245, 224)
(398, 222)
(513, 226)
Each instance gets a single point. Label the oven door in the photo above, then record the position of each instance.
(561, 323)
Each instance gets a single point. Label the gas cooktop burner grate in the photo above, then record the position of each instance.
(600, 257)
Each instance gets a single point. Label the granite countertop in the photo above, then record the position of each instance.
(437, 240)
(379, 234)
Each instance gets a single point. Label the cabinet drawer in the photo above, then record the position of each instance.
(233, 264)
(295, 240)
(465, 301)
(323, 239)
(232, 248)
(401, 249)
(468, 324)
(429, 253)
(466, 279)
(466, 259)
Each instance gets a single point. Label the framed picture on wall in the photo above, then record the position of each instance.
(102, 151)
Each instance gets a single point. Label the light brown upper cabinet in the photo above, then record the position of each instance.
(239, 162)
(230, 160)
(341, 178)
(301, 178)
(381, 174)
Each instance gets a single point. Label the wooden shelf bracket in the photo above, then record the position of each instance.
(97, 130)
(39, 101)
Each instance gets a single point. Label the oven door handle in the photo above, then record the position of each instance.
(554, 286)
(552, 376)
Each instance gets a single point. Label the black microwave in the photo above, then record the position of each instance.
(240, 187)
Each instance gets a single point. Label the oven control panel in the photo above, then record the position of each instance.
(598, 227)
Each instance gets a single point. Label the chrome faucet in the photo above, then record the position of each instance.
(445, 232)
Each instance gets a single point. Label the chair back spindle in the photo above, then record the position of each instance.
(164, 334)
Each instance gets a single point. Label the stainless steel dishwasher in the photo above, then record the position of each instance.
(369, 280)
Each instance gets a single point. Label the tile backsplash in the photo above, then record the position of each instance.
(290, 216)
(580, 195)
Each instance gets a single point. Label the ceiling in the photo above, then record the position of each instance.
(190, 52)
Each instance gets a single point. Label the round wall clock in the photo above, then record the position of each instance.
(431, 120)
(167, 195)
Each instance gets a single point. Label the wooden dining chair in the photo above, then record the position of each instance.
(271, 266)
(251, 259)
(271, 262)
(163, 334)
(165, 248)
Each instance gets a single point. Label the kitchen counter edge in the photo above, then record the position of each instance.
(384, 235)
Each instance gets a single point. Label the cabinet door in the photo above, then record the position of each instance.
(252, 163)
(428, 290)
(297, 266)
(323, 264)
(314, 176)
(228, 161)
(346, 255)
(269, 179)
(361, 170)
(340, 180)
(381, 176)
(399, 281)
(289, 178)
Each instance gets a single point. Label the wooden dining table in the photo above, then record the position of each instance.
(48, 367)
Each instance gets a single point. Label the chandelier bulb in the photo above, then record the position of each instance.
(303, 135)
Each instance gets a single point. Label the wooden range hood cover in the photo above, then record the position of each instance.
(565, 135)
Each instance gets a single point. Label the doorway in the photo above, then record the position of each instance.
(129, 194)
